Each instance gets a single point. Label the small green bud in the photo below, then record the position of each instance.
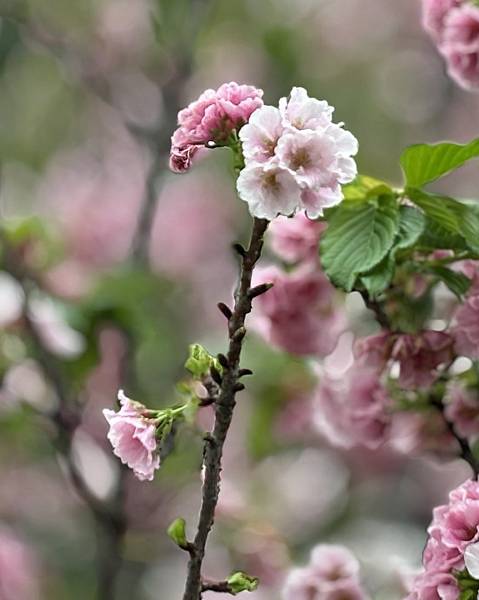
(241, 582)
(200, 361)
(177, 532)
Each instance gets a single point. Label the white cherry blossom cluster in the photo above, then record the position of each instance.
(296, 158)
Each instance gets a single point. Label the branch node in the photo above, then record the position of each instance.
(239, 334)
(223, 361)
(238, 248)
(243, 372)
(225, 310)
(259, 290)
(216, 375)
(238, 387)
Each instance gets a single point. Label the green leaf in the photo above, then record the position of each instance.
(453, 216)
(436, 237)
(379, 278)
(200, 361)
(411, 226)
(423, 163)
(364, 187)
(177, 532)
(358, 237)
(458, 283)
(241, 582)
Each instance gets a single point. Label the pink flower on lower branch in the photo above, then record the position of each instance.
(454, 529)
(420, 355)
(133, 437)
(332, 574)
(298, 314)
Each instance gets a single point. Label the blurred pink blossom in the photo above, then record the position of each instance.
(332, 574)
(353, 411)
(298, 314)
(374, 351)
(466, 328)
(420, 355)
(133, 437)
(462, 409)
(434, 13)
(460, 45)
(18, 569)
(295, 239)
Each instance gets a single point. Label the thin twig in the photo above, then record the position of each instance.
(466, 452)
(224, 407)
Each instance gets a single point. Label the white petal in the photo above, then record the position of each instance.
(471, 558)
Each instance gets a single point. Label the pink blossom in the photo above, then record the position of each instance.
(212, 118)
(298, 314)
(18, 571)
(353, 411)
(434, 13)
(332, 574)
(269, 190)
(133, 437)
(295, 239)
(462, 409)
(299, 111)
(300, 139)
(454, 527)
(420, 356)
(460, 45)
(181, 157)
(261, 134)
(466, 329)
(374, 351)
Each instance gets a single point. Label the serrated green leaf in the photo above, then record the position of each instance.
(411, 226)
(458, 283)
(436, 237)
(423, 163)
(358, 237)
(379, 278)
(455, 217)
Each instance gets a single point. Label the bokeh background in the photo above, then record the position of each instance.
(121, 264)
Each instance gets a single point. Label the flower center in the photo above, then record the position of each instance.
(270, 181)
(300, 159)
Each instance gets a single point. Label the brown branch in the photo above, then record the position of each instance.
(109, 517)
(466, 452)
(224, 407)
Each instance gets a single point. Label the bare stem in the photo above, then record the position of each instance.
(466, 452)
(224, 408)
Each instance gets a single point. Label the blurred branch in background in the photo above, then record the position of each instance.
(109, 515)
